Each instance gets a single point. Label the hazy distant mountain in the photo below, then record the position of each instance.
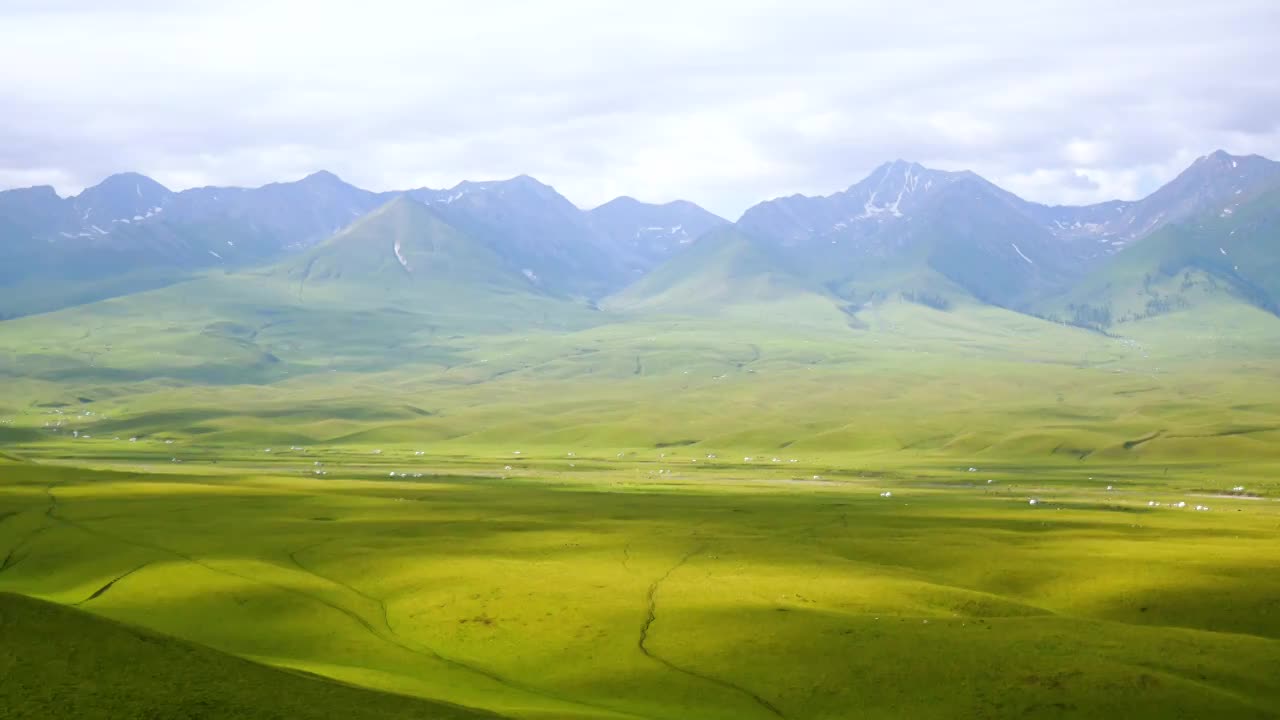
(25, 216)
(907, 227)
(124, 198)
(277, 216)
(130, 233)
(401, 249)
(905, 224)
(124, 209)
(725, 266)
(892, 192)
(904, 230)
(646, 234)
(1214, 182)
(1231, 252)
(533, 228)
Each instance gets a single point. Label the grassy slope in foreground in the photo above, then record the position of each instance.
(713, 593)
(57, 662)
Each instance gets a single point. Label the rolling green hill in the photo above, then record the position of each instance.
(59, 662)
(399, 287)
(725, 267)
(721, 589)
(402, 250)
(395, 461)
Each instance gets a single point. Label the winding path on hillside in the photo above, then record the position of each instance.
(652, 615)
(388, 636)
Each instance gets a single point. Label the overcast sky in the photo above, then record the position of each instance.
(722, 103)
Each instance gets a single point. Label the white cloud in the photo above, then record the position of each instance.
(723, 103)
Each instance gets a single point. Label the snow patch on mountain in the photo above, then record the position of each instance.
(1019, 251)
(400, 256)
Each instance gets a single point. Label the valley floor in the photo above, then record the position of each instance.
(800, 511)
(668, 584)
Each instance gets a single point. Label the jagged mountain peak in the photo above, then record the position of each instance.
(122, 198)
(884, 191)
(891, 192)
(626, 203)
(400, 245)
(622, 202)
(532, 227)
(901, 217)
(35, 192)
(320, 180)
(323, 177)
(647, 233)
(126, 182)
(519, 182)
(898, 166)
(1222, 156)
(1221, 160)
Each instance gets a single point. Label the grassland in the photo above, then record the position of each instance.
(900, 380)
(61, 662)
(665, 588)
(559, 519)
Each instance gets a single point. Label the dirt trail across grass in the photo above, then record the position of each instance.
(652, 615)
(388, 636)
(103, 590)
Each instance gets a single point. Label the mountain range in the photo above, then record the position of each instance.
(905, 231)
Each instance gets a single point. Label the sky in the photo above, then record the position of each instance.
(722, 103)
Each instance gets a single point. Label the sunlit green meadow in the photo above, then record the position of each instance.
(671, 517)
